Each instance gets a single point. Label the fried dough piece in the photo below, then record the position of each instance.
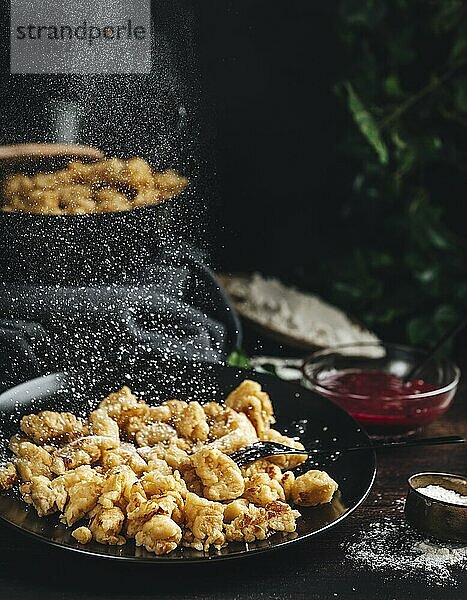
(40, 492)
(224, 420)
(160, 535)
(100, 423)
(241, 434)
(204, 523)
(15, 442)
(125, 454)
(48, 425)
(83, 451)
(153, 433)
(252, 474)
(312, 488)
(261, 490)
(106, 525)
(171, 452)
(234, 509)
(140, 510)
(8, 476)
(258, 523)
(152, 414)
(169, 182)
(214, 412)
(31, 461)
(157, 484)
(262, 466)
(248, 398)
(176, 408)
(82, 534)
(81, 487)
(219, 474)
(123, 405)
(160, 465)
(117, 486)
(284, 461)
(191, 424)
(177, 459)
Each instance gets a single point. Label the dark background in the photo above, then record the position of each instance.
(269, 69)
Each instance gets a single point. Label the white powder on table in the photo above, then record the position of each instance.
(438, 492)
(288, 311)
(394, 548)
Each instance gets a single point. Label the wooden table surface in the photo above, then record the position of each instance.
(317, 569)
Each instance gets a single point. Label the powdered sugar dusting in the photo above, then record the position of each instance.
(438, 492)
(394, 548)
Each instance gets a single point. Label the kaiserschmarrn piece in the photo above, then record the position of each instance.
(8, 476)
(82, 534)
(31, 460)
(153, 433)
(106, 524)
(40, 492)
(204, 523)
(257, 523)
(100, 423)
(312, 488)
(124, 454)
(161, 475)
(117, 486)
(160, 535)
(83, 487)
(284, 461)
(83, 451)
(123, 405)
(261, 490)
(48, 425)
(249, 398)
(219, 474)
(192, 423)
(237, 433)
(108, 185)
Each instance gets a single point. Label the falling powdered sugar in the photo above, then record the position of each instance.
(396, 549)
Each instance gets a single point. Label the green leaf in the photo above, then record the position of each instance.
(363, 13)
(459, 48)
(392, 86)
(419, 331)
(381, 260)
(367, 125)
(270, 368)
(239, 359)
(438, 238)
(460, 94)
(445, 317)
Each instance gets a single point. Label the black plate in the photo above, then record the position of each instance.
(326, 425)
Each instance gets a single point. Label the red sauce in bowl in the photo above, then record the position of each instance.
(382, 401)
(375, 384)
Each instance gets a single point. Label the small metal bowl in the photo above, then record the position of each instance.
(437, 518)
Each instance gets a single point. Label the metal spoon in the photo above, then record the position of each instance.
(260, 449)
(447, 337)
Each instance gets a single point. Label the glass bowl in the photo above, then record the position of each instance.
(384, 414)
